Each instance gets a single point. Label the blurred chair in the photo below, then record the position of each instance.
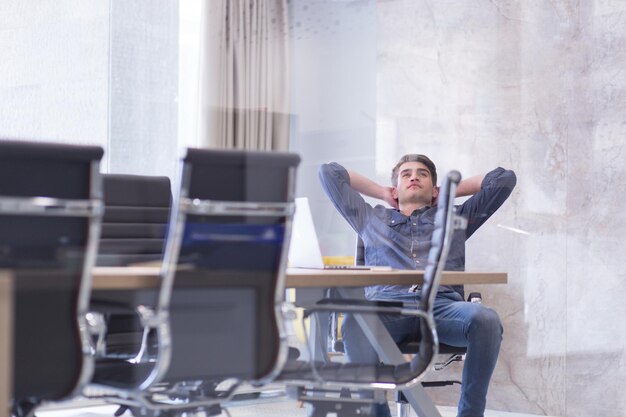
(349, 389)
(50, 213)
(224, 266)
(136, 213)
(134, 226)
(134, 348)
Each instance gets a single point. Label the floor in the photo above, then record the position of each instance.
(276, 407)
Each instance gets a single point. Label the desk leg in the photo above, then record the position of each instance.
(389, 353)
(6, 342)
(318, 336)
(318, 332)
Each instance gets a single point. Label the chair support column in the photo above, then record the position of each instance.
(389, 353)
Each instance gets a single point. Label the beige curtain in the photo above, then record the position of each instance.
(244, 75)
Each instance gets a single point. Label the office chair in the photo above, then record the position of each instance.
(224, 262)
(50, 212)
(455, 353)
(134, 345)
(134, 226)
(330, 387)
(452, 353)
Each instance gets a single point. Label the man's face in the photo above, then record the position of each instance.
(415, 184)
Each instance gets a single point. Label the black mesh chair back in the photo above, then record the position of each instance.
(135, 219)
(50, 211)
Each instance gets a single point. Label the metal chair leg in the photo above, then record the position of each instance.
(402, 405)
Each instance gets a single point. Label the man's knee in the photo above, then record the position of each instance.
(486, 321)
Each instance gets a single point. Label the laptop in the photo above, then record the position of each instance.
(304, 248)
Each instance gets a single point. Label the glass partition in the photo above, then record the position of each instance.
(533, 87)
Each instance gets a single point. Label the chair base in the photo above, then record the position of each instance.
(456, 357)
(24, 409)
(215, 410)
(341, 402)
(402, 404)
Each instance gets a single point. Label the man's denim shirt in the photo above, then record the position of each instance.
(402, 242)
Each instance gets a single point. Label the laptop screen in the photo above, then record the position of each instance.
(304, 248)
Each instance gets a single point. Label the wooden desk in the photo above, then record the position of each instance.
(308, 278)
(311, 281)
(111, 278)
(6, 341)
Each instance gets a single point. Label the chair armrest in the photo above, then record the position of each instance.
(475, 297)
(97, 329)
(111, 307)
(327, 372)
(363, 307)
(354, 301)
(98, 325)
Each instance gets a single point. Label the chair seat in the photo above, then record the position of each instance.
(413, 347)
(131, 246)
(127, 259)
(118, 373)
(346, 372)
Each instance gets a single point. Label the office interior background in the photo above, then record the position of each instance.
(535, 86)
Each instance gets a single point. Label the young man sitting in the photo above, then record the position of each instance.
(400, 237)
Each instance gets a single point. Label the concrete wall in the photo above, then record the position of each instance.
(535, 86)
(102, 73)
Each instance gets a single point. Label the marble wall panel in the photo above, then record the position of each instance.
(596, 335)
(538, 87)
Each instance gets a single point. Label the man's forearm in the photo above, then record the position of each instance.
(366, 186)
(470, 186)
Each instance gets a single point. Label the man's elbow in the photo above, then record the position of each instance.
(510, 179)
(332, 171)
(506, 180)
(324, 172)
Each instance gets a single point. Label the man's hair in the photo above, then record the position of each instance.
(413, 157)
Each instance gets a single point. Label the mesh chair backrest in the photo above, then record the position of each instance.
(233, 218)
(359, 251)
(439, 248)
(135, 219)
(45, 238)
(440, 241)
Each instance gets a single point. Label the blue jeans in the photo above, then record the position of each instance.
(459, 323)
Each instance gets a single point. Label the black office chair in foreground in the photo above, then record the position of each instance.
(342, 388)
(50, 211)
(225, 265)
